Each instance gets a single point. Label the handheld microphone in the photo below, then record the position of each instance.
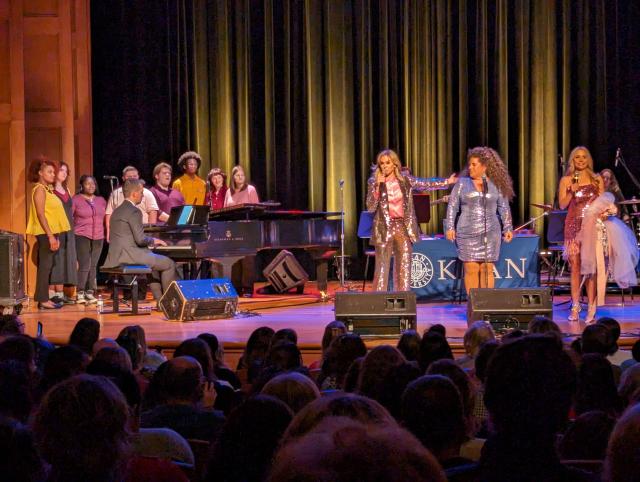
(576, 177)
(109, 177)
(485, 188)
(618, 156)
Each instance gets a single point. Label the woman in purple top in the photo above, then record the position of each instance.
(166, 197)
(240, 191)
(88, 225)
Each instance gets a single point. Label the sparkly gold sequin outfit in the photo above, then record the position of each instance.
(575, 212)
(395, 236)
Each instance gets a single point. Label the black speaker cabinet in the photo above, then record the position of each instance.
(203, 299)
(284, 272)
(11, 269)
(377, 313)
(508, 308)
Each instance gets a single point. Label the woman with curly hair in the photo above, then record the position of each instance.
(578, 188)
(395, 226)
(477, 214)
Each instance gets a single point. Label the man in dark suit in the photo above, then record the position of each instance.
(129, 245)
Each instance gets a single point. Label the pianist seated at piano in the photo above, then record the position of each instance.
(165, 195)
(129, 245)
(217, 179)
(240, 191)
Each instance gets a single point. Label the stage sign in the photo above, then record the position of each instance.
(436, 272)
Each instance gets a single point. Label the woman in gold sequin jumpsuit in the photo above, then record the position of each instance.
(395, 227)
(578, 188)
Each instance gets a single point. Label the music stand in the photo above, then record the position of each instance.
(422, 207)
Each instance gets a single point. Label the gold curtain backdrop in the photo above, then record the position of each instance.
(305, 93)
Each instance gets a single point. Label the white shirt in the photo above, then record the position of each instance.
(147, 205)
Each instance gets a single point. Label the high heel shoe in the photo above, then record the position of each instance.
(49, 305)
(574, 314)
(591, 314)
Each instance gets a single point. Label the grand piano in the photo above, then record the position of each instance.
(227, 235)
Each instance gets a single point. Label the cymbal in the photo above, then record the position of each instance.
(546, 207)
(629, 201)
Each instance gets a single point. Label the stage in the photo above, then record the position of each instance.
(306, 314)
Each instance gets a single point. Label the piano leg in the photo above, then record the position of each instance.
(321, 258)
(227, 264)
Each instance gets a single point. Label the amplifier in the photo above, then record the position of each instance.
(377, 313)
(508, 308)
(284, 272)
(204, 299)
(12, 269)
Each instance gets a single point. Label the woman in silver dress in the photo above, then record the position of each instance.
(478, 215)
(395, 227)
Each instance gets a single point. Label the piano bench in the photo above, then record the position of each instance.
(115, 273)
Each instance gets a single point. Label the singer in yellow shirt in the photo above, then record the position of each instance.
(192, 187)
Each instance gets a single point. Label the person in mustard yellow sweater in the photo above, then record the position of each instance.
(192, 187)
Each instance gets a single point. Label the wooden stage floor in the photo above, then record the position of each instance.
(304, 313)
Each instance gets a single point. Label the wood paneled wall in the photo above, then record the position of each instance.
(45, 98)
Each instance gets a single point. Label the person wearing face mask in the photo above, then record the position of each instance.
(578, 188)
(395, 226)
(148, 206)
(192, 186)
(478, 215)
(218, 182)
(240, 191)
(166, 197)
(47, 219)
(65, 266)
(88, 224)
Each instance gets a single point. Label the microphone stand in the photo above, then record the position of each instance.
(620, 159)
(341, 183)
(485, 188)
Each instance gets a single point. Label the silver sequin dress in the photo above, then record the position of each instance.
(465, 214)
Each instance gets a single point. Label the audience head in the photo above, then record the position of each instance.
(62, 363)
(596, 386)
(15, 390)
(394, 384)
(198, 349)
(477, 334)
(622, 463)
(350, 384)
(614, 331)
(284, 335)
(10, 325)
(81, 429)
(356, 407)
(342, 450)
(542, 325)
(294, 389)
(482, 359)
(529, 387)
(332, 331)
(284, 356)
(258, 345)
(117, 357)
(629, 384)
(19, 457)
(126, 383)
(132, 339)
(377, 365)
(85, 334)
(409, 345)
(19, 347)
(177, 380)
(461, 380)
(248, 440)
(432, 410)
(433, 347)
(587, 437)
(340, 355)
(436, 328)
(103, 343)
(596, 339)
(215, 347)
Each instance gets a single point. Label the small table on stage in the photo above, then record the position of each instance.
(436, 272)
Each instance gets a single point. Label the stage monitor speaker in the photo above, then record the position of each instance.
(12, 268)
(377, 313)
(202, 299)
(508, 308)
(284, 272)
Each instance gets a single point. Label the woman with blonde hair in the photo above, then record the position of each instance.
(578, 188)
(395, 226)
(478, 215)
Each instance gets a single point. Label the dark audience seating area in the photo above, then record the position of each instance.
(519, 406)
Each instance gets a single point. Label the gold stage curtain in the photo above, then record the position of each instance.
(305, 93)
